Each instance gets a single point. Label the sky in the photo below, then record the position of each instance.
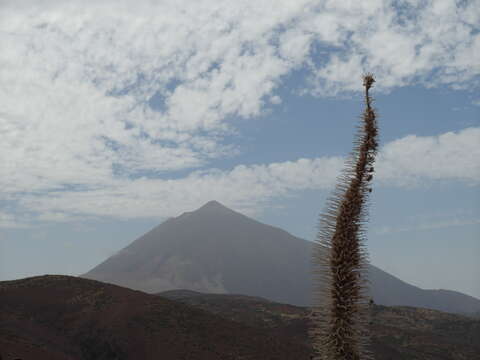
(116, 115)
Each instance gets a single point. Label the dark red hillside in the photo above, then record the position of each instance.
(62, 317)
(398, 332)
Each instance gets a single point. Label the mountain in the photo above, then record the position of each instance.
(217, 250)
(68, 318)
(398, 333)
(389, 290)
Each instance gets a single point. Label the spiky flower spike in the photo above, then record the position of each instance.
(340, 260)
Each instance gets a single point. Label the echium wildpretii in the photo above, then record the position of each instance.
(341, 303)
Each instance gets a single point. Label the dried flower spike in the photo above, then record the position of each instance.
(340, 324)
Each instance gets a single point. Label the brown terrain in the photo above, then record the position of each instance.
(398, 332)
(63, 317)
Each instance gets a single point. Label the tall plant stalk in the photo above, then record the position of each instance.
(340, 259)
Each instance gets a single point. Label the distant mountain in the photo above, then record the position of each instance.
(217, 250)
(398, 333)
(68, 318)
(388, 290)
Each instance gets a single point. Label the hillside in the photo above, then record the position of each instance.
(398, 333)
(68, 318)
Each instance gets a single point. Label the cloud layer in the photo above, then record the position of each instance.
(405, 162)
(102, 100)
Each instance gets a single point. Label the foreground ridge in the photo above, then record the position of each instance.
(68, 318)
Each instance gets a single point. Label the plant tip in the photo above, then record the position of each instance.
(368, 80)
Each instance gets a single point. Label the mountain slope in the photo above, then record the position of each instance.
(68, 318)
(389, 290)
(217, 250)
(398, 333)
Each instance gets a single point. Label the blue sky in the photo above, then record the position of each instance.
(118, 115)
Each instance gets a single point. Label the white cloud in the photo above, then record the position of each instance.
(77, 80)
(413, 159)
(244, 187)
(402, 42)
